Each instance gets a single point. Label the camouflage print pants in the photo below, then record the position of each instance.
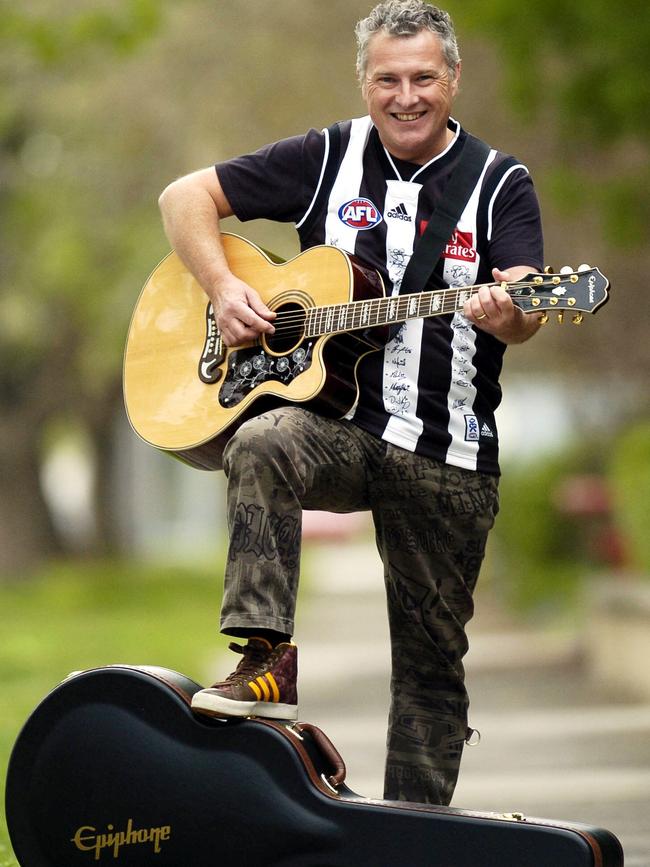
(431, 523)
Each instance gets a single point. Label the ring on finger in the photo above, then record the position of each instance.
(482, 316)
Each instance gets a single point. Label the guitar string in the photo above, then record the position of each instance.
(292, 321)
(401, 300)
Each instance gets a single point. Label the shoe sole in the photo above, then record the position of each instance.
(216, 705)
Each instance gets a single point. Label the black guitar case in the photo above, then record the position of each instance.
(113, 768)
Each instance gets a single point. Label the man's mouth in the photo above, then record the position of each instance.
(408, 118)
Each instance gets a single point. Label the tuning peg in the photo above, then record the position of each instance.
(548, 269)
(566, 269)
(560, 317)
(543, 318)
(583, 267)
(577, 319)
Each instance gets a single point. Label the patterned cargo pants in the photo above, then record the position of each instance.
(431, 522)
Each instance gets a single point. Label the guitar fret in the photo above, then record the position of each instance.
(366, 313)
(316, 323)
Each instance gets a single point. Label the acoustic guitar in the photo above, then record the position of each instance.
(187, 393)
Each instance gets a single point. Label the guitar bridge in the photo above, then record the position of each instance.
(212, 356)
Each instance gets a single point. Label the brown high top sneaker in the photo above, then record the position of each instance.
(263, 684)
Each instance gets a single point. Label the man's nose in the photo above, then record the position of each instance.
(406, 95)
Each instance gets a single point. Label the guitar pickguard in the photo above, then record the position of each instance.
(250, 367)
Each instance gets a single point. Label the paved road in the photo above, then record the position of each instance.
(554, 743)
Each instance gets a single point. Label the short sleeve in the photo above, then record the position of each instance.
(276, 182)
(514, 223)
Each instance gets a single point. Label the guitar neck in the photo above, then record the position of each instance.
(355, 315)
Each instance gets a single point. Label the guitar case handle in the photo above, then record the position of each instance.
(327, 748)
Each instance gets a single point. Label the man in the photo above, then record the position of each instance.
(420, 448)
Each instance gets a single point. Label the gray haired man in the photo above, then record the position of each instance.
(420, 448)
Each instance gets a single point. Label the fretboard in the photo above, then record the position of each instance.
(354, 315)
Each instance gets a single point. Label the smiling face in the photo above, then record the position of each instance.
(409, 91)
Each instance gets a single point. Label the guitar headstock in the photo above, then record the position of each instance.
(581, 291)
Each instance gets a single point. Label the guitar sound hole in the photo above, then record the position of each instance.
(289, 329)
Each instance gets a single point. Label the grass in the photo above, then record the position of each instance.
(76, 616)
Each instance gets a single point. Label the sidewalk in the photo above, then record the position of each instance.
(554, 743)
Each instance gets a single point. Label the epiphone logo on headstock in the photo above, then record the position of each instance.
(87, 839)
(592, 288)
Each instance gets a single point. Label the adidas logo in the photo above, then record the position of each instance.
(400, 213)
(485, 431)
(265, 687)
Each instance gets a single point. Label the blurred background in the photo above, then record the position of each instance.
(112, 552)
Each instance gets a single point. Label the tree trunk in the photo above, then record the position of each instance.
(102, 430)
(27, 534)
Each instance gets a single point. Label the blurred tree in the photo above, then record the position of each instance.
(583, 69)
(63, 248)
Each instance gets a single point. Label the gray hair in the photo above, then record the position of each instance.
(406, 18)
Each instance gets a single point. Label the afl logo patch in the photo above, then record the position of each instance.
(359, 214)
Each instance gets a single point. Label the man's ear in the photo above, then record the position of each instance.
(456, 81)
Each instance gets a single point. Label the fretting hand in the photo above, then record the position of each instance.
(492, 310)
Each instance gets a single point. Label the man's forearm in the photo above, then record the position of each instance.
(192, 208)
(524, 326)
(191, 220)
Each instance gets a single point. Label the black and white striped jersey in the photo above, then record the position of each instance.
(435, 387)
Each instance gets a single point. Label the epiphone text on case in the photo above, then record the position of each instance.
(87, 838)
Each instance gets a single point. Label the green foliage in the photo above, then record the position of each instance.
(77, 617)
(542, 554)
(629, 476)
(53, 36)
(586, 58)
(79, 228)
(581, 71)
(530, 570)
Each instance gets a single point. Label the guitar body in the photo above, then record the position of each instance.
(185, 397)
(113, 767)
